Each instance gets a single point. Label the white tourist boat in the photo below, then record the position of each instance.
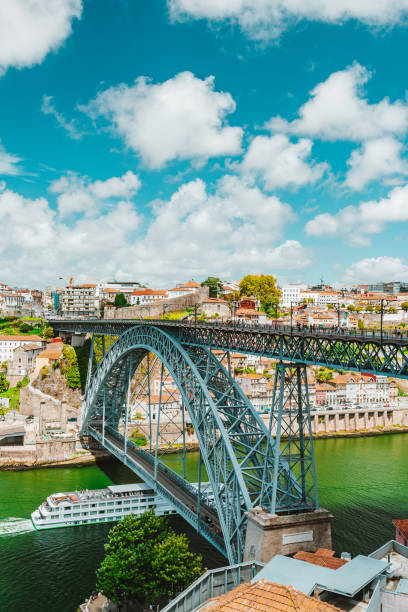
(98, 506)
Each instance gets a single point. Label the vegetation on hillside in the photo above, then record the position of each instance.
(146, 562)
(21, 326)
(264, 288)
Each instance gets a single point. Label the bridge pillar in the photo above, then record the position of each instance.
(295, 521)
(270, 534)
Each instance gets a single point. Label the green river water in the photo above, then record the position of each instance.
(363, 481)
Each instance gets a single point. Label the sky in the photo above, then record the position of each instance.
(165, 140)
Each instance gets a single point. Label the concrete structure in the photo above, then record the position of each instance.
(155, 310)
(23, 362)
(269, 534)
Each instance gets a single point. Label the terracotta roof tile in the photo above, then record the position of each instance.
(265, 596)
(324, 560)
(402, 525)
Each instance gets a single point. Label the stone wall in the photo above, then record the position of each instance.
(43, 451)
(46, 408)
(154, 311)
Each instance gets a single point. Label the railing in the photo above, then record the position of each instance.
(213, 584)
(188, 514)
(374, 605)
(282, 329)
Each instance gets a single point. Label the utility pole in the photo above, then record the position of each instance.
(381, 324)
(338, 316)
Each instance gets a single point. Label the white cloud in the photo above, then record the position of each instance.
(37, 247)
(48, 108)
(229, 230)
(8, 163)
(358, 223)
(374, 269)
(376, 159)
(266, 19)
(280, 163)
(338, 110)
(29, 29)
(76, 194)
(181, 118)
(232, 230)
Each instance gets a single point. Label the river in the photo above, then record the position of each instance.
(363, 481)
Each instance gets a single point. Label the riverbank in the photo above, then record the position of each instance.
(82, 460)
(87, 459)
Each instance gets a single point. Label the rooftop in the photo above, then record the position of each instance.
(346, 580)
(265, 596)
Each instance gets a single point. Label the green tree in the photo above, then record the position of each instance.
(404, 306)
(145, 562)
(70, 367)
(392, 310)
(369, 308)
(47, 332)
(120, 300)
(4, 383)
(351, 308)
(262, 287)
(214, 285)
(324, 375)
(330, 307)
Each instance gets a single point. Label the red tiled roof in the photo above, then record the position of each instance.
(148, 292)
(402, 525)
(323, 557)
(191, 285)
(265, 596)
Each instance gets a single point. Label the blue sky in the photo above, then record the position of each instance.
(161, 140)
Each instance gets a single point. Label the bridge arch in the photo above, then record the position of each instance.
(238, 452)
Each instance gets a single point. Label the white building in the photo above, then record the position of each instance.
(9, 343)
(147, 296)
(291, 294)
(320, 298)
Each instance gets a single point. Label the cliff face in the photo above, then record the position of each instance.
(55, 384)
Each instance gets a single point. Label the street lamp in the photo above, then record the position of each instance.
(291, 318)
(381, 320)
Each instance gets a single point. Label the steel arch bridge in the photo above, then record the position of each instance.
(239, 454)
(245, 465)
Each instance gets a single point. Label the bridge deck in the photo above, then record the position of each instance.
(357, 350)
(165, 482)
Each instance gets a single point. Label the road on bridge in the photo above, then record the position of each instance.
(166, 481)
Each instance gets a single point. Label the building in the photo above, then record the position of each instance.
(23, 361)
(215, 307)
(291, 294)
(80, 301)
(9, 343)
(320, 298)
(392, 288)
(147, 296)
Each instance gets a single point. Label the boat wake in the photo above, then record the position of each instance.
(15, 526)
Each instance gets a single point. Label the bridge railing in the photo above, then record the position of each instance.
(186, 512)
(213, 583)
(160, 466)
(273, 327)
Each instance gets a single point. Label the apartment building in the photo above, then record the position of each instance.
(78, 301)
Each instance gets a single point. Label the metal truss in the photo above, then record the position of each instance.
(360, 351)
(236, 448)
(290, 422)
